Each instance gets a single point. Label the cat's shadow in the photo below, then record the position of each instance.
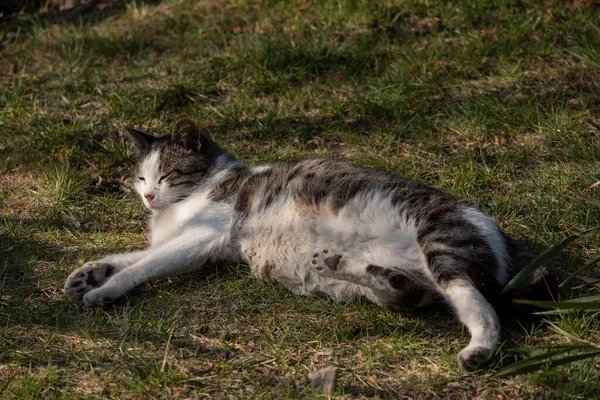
(435, 321)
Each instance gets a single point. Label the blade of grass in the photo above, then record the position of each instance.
(573, 305)
(539, 261)
(576, 357)
(584, 59)
(8, 381)
(591, 304)
(584, 299)
(588, 282)
(538, 348)
(586, 267)
(575, 338)
(589, 199)
(555, 312)
(537, 359)
(529, 365)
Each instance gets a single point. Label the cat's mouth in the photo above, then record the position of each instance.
(157, 207)
(152, 206)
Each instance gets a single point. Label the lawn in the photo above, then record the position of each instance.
(498, 102)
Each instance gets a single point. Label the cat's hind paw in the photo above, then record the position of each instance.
(326, 262)
(91, 275)
(473, 358)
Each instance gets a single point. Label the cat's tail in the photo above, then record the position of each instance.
(541, 286)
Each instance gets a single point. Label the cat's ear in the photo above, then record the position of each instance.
(187, 135)
(141, 140)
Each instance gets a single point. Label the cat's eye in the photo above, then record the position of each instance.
(141, 179)
(165, 176)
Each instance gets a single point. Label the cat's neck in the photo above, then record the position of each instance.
(224, 163)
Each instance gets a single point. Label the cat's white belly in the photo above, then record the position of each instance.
(280, 246)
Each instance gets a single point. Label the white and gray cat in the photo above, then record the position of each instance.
(316, 226)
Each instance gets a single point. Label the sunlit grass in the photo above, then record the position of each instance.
(493, 101)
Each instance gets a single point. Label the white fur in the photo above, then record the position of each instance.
(490, 230)
(149, 184)
(261, 168)
(479, 317)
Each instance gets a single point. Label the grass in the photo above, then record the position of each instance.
(494, 101)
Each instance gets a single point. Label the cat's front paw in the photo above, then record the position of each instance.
(92, 275)
(326, 262)
(101, 297)
(473, 358)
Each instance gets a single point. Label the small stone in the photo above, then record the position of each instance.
(324, 379)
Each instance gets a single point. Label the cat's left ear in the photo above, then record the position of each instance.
(141, 140)
(187, 135)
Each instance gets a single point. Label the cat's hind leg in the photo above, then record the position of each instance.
(450, 272)
(399, 289)
(467, 256)
(389, 287)
(94, 274)
(478, 315)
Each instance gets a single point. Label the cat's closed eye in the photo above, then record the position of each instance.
(165, 176)
(141, 179)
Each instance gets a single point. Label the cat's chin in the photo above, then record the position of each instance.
(155, 208)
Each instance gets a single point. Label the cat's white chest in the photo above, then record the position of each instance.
(164, 226)
(198, 212)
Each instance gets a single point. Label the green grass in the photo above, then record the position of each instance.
(494, 101)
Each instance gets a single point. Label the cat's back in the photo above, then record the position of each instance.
(325, 187)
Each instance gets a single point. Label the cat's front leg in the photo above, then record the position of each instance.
(94, 274)
(184, 253)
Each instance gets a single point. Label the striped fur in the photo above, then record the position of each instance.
(316, 226)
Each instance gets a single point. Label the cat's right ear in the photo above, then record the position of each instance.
(141, 140)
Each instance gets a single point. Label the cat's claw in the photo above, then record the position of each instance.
(91, 275)
(326, 262)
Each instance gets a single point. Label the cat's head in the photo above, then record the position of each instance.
(170, 167)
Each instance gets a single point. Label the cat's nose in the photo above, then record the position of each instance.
(149, 196)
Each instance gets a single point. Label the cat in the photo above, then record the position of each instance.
(317, 226)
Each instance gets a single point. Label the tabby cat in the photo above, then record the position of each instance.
(316, 226)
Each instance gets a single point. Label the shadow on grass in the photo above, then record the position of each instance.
(33, 13)
(30, 282)
(16, 254)
(302, 128)
(301, 64)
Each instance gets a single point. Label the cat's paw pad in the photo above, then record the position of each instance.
(91, 275)
(473, 358)
(326, 262)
